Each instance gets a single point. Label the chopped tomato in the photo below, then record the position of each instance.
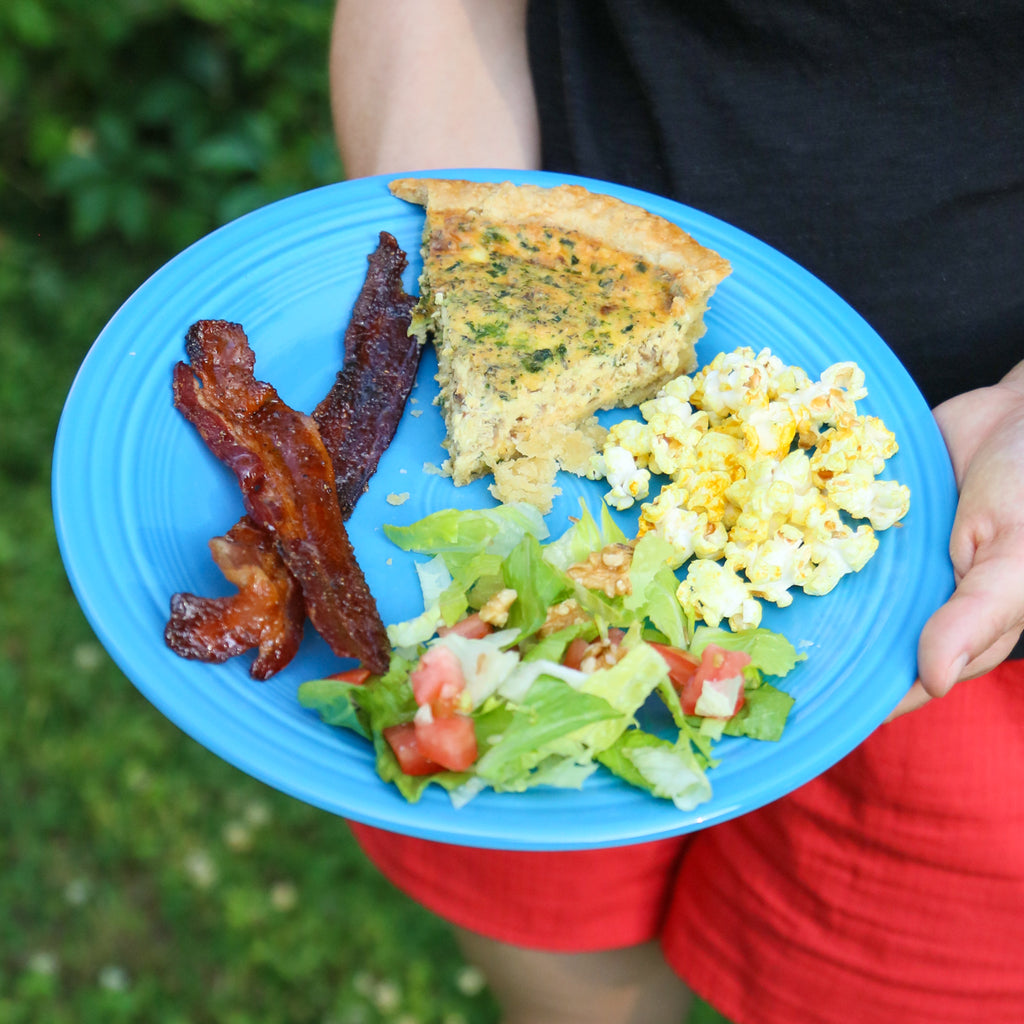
(718, 663)
(449, 742)
(575, 653)
(356, 676)
(405, 743)
(717, 678)
(438, 681)
(472, 627)
(721, 682)
(579, 648)
(682, 670)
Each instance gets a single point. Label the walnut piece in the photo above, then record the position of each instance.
(561, 616)
(606, 570)
(495, 610)
(601, 654)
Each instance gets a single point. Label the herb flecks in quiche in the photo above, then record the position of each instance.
(546, 305)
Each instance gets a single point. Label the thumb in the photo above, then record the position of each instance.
(979, 625)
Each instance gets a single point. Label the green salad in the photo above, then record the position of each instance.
(538, 661)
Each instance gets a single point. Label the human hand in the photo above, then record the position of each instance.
(980, 624)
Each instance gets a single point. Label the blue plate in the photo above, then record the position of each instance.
(137, 497)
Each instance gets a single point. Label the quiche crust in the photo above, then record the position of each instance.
(546, 305)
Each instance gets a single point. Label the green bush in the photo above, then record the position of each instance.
(153, 121)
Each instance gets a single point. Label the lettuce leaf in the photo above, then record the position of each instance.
(335, 702)
(665, 769)
(584, 537)
(624, 687)
(654, 586)
(770, 653)
(366, 708)
(492, 530)
(537, 583)
(763, 715)
(537, 728)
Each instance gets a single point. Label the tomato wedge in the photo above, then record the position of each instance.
(449, 742)
(682, 671)
(428, 747)
(578, 649)
(439, 737)
(405, 745)
(472, 627)
(721, 682)
(575, 652)
(712, 685)
(356, 676)
(438, 681)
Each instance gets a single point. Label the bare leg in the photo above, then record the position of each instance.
(625, 986)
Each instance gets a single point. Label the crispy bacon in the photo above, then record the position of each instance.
(357, 421)
(268, 611)
(287, 483)
(358, 417)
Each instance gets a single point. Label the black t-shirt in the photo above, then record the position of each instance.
(880, 144)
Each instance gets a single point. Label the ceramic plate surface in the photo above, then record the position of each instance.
(137, 496)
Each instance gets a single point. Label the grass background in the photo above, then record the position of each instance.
(141, 878)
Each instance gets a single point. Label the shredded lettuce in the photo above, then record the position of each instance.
(334, 701)
(763, 715)
(368, 709)
(654, 586)
(625, 686)
(537, 583)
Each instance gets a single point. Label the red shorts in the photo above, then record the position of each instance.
(890, 889)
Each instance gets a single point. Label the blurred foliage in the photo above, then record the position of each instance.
(153, 121)
(143, 880)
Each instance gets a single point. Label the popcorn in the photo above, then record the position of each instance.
(632, 435)
(715, 592)
(882, 502)
(845, 551)
(764, 468)
(690, 533)
(628, 481)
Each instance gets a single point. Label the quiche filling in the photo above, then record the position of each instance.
(538, 325)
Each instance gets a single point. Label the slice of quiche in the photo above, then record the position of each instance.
(544, 306)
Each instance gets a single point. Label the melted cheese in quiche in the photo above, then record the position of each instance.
(540, 320)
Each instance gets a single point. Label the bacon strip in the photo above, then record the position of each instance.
(287, 483)
(360, 414)
(268, 611)
(357, 421)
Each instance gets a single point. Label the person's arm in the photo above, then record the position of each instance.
(416, 86)
(979, 625)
